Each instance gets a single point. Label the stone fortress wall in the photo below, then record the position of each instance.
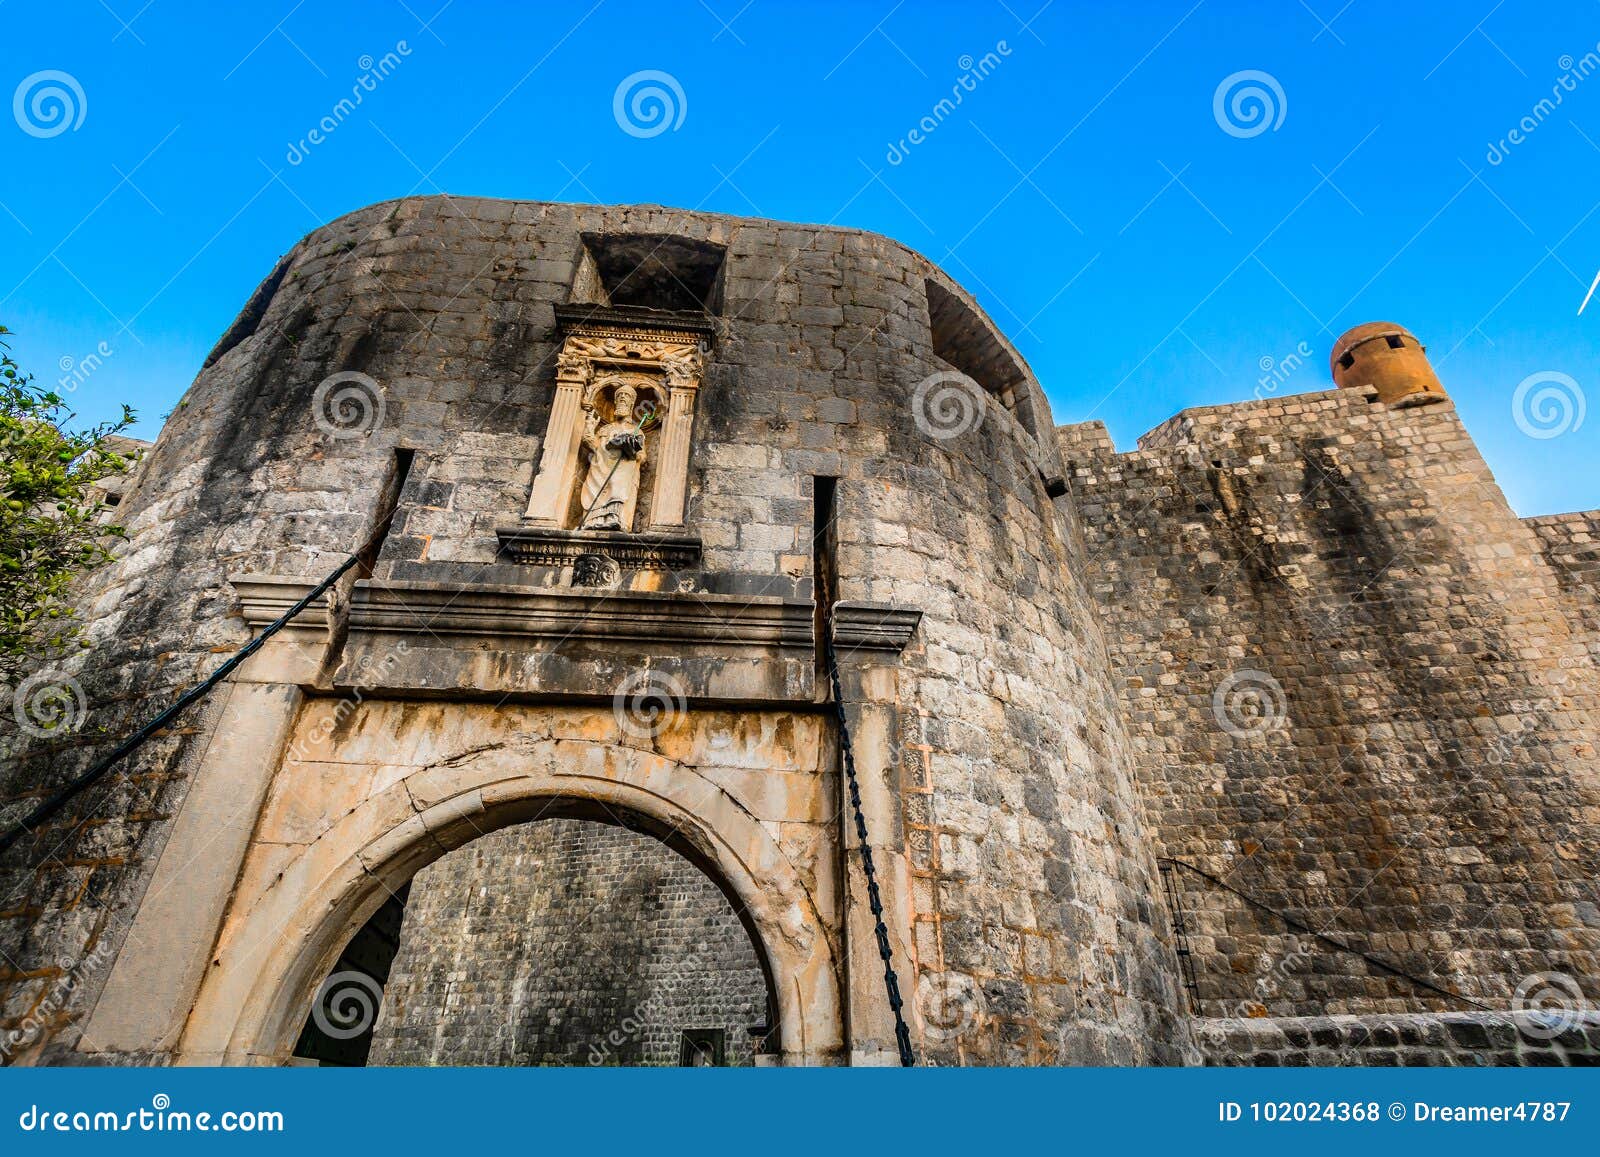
(1031, 629)
(1361, 692)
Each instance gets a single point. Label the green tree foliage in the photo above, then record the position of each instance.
(50, 515)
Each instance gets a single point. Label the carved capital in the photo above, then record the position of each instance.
(683, 368)
(573, 366)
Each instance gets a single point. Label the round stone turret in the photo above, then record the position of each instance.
(1388, 356)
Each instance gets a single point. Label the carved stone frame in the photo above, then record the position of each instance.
(590, 351)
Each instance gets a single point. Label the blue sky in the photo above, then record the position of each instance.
(1145, 252)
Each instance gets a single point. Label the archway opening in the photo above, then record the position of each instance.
(588, 937)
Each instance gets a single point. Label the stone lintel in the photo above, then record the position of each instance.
(264, 598)
(641, 617)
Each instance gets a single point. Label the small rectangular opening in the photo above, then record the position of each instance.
(388, 505)
(1394, 341)
(824, 586)
(651, 271)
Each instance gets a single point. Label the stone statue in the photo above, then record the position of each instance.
(616, 458)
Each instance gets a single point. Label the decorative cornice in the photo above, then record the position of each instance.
(444, 609)
(264, 598)
(620, 616)
(632, 322)
(645, 550)
(861, 626)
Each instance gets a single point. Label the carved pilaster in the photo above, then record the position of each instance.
(558, 466)
(672, 468)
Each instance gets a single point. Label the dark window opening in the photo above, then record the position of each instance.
(969, 345)
(1395, 342)
(650, 271)
(1347, 361)
(703, 1048)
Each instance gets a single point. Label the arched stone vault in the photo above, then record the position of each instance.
(314, 872)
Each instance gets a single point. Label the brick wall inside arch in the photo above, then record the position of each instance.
(567, 942)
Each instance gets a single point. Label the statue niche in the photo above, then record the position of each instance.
(621, 412)
(608, 500)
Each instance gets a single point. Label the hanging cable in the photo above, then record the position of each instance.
(59, 799)
(1328, 940)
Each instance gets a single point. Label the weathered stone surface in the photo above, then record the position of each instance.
(1418, 782)
(1474, 1039)
(1032, 722)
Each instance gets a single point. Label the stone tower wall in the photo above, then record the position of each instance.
(1421, 785)
(1571, 545)
(1082, 692)
(999, 779)
(566, 942)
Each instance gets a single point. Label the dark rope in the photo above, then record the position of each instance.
(128, 746)
(1328, 940)
(891, 982)
(59, 799)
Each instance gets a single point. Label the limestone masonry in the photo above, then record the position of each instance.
(1269, 741)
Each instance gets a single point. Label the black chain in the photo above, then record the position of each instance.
(891, 982)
